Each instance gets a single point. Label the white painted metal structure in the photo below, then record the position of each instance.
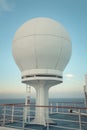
(41, 49)
(85, 90)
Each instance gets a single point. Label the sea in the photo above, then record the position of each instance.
(54, 100)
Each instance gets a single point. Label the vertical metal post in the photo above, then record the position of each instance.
(62, 107)
(85, 93)
(47, 118)
(12, 117)
(80, 124)
(47, 126)
(23, 122)
(51, 111)
(27, 103)
(4, 114)
(57, 107)
(28, 114)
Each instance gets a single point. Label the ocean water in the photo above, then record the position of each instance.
(12, 101)
(54, 100)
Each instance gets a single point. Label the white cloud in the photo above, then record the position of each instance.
(69, 75)
(6, 5)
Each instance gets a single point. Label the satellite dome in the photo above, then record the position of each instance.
(41, 49)
(41, 46)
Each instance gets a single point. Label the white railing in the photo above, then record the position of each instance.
(66, 117)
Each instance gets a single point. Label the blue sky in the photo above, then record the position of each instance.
(72, 14)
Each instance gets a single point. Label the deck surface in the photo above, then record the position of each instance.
(7, 128)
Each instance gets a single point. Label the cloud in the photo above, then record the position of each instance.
(69, 75)
(6, 5)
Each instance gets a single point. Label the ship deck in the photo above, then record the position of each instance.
(7, 128)
(66, 116)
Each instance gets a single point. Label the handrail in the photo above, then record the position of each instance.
(13, 117)
(32, 105)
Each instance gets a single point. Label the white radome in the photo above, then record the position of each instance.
(41, 44)
(42, 49)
